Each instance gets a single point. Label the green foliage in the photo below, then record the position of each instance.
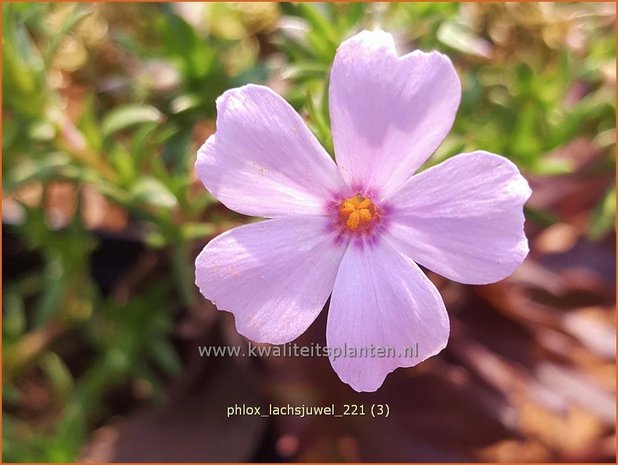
(116, 100)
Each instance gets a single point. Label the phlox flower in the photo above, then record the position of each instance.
(356, 228)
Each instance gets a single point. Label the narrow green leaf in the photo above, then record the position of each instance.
(58, 374)
(151, 191)
(129, 115)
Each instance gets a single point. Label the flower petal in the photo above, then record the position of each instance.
(275, 275)
(464, 218)
(382, 299)
(263, 160)
(388, 113)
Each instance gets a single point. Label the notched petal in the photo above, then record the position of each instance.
(263, 160)
(274, 276)
(388, 113)
(464, 218)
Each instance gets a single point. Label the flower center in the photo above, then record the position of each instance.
(358, 213)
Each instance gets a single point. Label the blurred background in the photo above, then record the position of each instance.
(104, 106)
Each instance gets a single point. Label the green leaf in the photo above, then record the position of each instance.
(604, 216)
(192, 231)
(151, 191)
(305, 70)
(28, 170)
(23, 76)
(55, 288)
(74, 18)
(89, 124)
(129, 115)
(69, 435)
(185, 102)
(183, 273)
(58, 374)
(460, 38)
(165, 356)
(14, 318)
(552, 167)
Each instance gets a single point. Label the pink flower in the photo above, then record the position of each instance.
(358, 228)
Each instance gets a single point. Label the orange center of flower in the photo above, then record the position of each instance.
(357, 213)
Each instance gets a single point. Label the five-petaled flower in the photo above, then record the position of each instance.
(357, 228)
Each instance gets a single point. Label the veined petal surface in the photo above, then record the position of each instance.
(263, 160)
(382, 299)
(274, 276)
(464, 218)
(388, 113)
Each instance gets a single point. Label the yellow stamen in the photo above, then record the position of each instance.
(357, 213)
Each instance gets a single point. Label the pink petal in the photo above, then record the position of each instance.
(383, 299)
(263, 160)
(275, 275)
(388, 113)
(464, 218)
